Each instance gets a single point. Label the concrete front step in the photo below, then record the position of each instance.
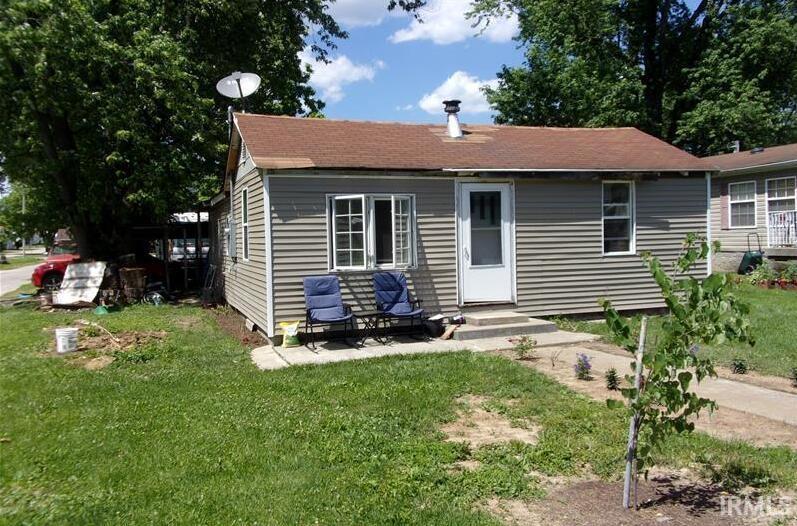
(495, 317)
(530, 326)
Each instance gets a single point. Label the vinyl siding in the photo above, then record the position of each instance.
(245, 281)
(560, 265)
(735, 240)
(299, 237)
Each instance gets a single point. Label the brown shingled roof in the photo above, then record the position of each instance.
(747, 159)
(293, 142)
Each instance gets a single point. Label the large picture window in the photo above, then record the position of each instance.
(372, 231)
(618, 217)
(742, 204)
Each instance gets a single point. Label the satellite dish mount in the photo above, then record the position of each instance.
(238, 86)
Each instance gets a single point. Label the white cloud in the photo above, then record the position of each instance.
(460, 85)
(330, 78)
(444, 22)
(406, 107)
(358, 13)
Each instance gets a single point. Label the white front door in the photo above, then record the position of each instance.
(485, 219)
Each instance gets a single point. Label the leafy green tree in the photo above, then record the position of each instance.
(109, 111)
(38, 218)
(698, 76)
(701, 312)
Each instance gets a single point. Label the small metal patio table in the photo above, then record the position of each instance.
(370, 328)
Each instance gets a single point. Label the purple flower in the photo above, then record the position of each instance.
(582, 367)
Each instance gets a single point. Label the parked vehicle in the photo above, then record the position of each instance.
(48, 275)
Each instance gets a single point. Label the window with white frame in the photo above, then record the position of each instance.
(781, 194)
(245, 221)
(618, 217)
(371, 231)
(742, 204)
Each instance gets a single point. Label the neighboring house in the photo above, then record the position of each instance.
(754, 193)
(541, 220)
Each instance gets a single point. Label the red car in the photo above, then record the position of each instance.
(49, 274)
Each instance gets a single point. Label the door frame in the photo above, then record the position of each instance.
(458, 220)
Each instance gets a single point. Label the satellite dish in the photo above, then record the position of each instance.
(238, 85)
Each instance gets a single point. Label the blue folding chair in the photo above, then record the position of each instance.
(394, 301)
(325, 305)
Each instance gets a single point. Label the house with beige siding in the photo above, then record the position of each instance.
(754, 196)
(539, 221)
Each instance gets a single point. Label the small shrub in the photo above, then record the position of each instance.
(794, 376)
(789, 274)
(763, 274)
(612, 379)
(739, 366)
(583, 367)
(524, 347)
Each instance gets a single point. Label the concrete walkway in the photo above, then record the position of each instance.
(768, 403)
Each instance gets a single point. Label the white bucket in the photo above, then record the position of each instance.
(66, 340)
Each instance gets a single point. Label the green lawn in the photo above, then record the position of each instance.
(187, 431)
(774, 319)
(21, 261)
(27, 288)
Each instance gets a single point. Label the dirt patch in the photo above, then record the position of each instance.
(122, 341)
(777, 383)
(233, 324)
(671, 498)
(100, 362)
(478, 426)
(725, 423)
(96, 347)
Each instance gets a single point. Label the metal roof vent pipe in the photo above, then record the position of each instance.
(452, 108)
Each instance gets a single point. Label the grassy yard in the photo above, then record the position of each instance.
(774, 319)
(187, 431)
(21, 261)
(27, 288)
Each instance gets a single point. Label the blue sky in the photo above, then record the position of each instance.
(392, 68)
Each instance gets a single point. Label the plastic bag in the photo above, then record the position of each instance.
(290, 333)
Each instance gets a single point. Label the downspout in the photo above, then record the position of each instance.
(709, 263)
(270, 331)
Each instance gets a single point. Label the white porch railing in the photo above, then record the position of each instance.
(782, 229)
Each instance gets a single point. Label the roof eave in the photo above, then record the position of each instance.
(765, 167)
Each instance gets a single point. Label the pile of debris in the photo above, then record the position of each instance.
(100, 284)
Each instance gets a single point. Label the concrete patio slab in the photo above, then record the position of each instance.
(270, 358)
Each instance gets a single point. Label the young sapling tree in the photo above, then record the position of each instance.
(702, 311)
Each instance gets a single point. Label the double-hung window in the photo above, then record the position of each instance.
(371, 231)
(618, 217)
(742, 204)
(245, 221)
(781, 194)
